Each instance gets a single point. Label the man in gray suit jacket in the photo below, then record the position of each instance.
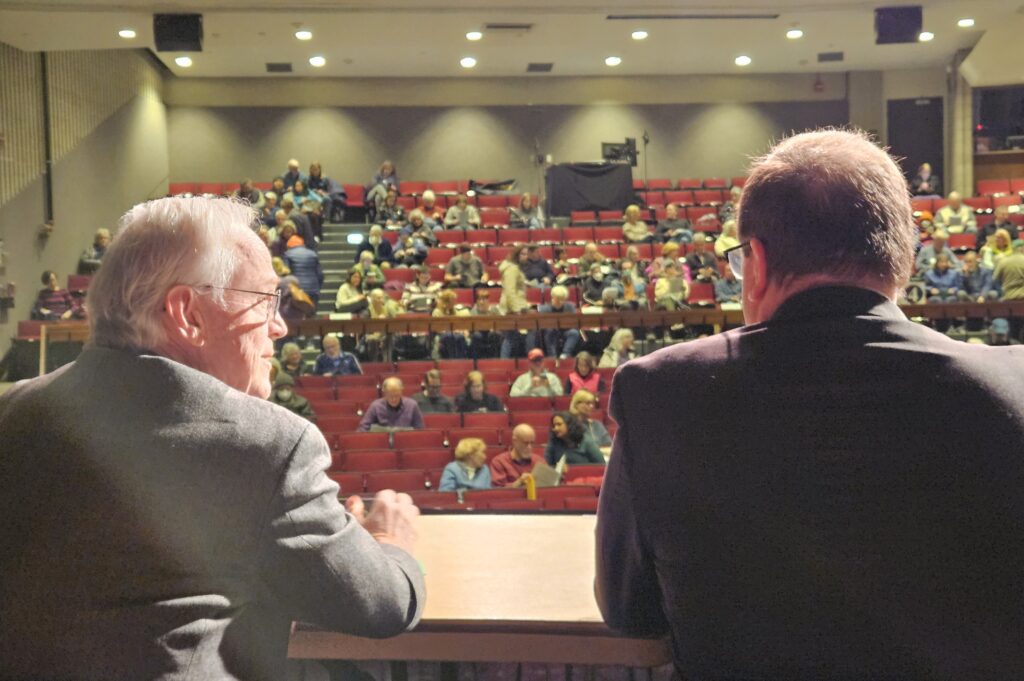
(832, 491)
(161, 519)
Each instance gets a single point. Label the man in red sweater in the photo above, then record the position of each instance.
(512, 468)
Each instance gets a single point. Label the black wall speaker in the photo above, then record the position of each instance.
(897, 24)
(178, 32)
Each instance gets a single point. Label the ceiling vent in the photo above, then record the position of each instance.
(670, 17)
(829, 56)
(539, 67)
(513, 28)
(279, 67)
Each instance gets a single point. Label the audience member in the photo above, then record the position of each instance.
(420, 229)
(671, 290)
(702, 263)
(391, 214)
(465, 270)
(561, 342)
(482, 342)
(956, 217)
(293, 309)
(291, 360)
(453, 344)
(674, 228)
(284, 395)
(433, 214)
(584, 377)
(942, 282)
(469, 470)
(734, 541)
(350, 296)
(268, 213)
(383, 254)
(249, 194)
(925, 182)
(536, 268)
(591, 256)
(393, 411)
(372, 274)
(998, 247)
(304, 264)
(527, 215)
(1009, 273)
(619, 351)
(727, 239)
(537, 381)
(334, 362)
(410, 251)
(55, 303)
(928, 254)
(513, 297)
(593, 285)
(286, 238)
(569, 439)
(515, 467)
(582, 407)
(729, 210)
(300, 194)
(999, 333)
(279, 188)
(91, 258)
(419, 294)
(976, 285)
(1000, 220)
(430, 399)
(634, 229)
(160, 518)
(462, 215)
(303, 226)
(381, 307)
(632, 284)
(292, 175)
(384, 179)
(333, 197)
(728, 289)
(474, 396)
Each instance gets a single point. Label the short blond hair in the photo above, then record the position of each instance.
(469, 446)
(579, 396)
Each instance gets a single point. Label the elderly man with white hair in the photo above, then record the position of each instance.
(162, 519)
(561, 342)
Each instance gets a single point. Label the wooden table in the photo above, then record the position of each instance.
(501, 588)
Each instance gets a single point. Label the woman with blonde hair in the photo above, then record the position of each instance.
(527, 215)
(469, 470)
(727, 239)
(620, 349)
(998, 247)
(582, 407)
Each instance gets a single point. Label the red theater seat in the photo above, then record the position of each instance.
(498, 420)
(481, 496)
(739, 181)
(79, 283)
(419, 439)
(516, 505)
(979, 202)
(540, 421)
(659, 184)
(921, 205)
(364, 441)
(585, 504)
(993, 187)
(445, 187)
(494, 216)
(701, 292)
(442, 421)
(422, 459)
(450, 236)
(608, 234)
(521, 404)
(1011, 200)
(356, 195)
(690, 183)
(494, 365)
(707, 197)
(579, 234)
(214, 188)
(716, 183)
(482, 237)
(178, 188)
(514, 236)
(555, 495)
(683, 197)
(582, 217)
(490, 436)
(371, 460)
(584, 471)
(411, 188)
(491, 201)
(547, 235)
(400, 481)
(350, 483)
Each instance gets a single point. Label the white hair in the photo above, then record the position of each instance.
(429, 194)
(161, 244)
(616, 342)
(559, 292)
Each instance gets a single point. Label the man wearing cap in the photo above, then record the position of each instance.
(465, 270)
(537, 381)
(809, 528)
(999, 333)
(284, 396)
(702, 261)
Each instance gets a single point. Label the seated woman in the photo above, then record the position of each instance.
(291, 360)
(462, 215)
(999, 246)
(729, 209)
(727, 239)
(418, 227)
(55, 303)
(474, 396)
(582, 407)
(385, 178)
(375, 243)
(373, 276)
(300, 193)
(527, 215)
(634, 229)
(632, 284)
(350, 294)
(671, 290)
(419, 294)
(381, 307)
(569, 438)
(583, 376)
(450, 344)
(469, 470)
(619, 351)
(390, 214)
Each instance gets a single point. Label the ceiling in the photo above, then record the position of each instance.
(421, 38)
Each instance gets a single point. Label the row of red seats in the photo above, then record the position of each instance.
(697, 215)
(552, 236)
(374, 371)
(365, 385)
(978, 203)
(355, 192)
(1003, 186)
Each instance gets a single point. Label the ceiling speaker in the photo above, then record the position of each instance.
(178, 32)
(897, 24)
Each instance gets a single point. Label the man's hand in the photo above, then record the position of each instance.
(66, 315)
(523, 479)
(392, 519)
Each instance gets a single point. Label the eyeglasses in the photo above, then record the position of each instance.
(735, 256)
(272, 301)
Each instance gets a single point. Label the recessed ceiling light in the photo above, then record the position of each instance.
(183, 62)
(612, 61)
(467, 62)
(304, 35)
(965, 23)
(639, 35)
(794, 34)
(743, 60)
(317, 61)
(474, 35)
(126, 33)
(926, 36)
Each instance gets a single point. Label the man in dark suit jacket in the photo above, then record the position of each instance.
(832, 491)
(161, 519)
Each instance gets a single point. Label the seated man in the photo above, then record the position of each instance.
(333, 362)
(284, 396)
(514, 467)
(537, 381)
(292, 175)
(419, 228)
(671, 290)
(93, 256)
(433, 214)
(333, 198)
(430, 399)
(728, 289)
(634, 229)
(560, 342)
(956, 217)
(942, 282)
(929, 252)
(462, 215)
(999, 333)
(673, 228)
(248, 193)
(268, 213)
(537, 270)
(465, 270)
(1000, 220)
(410, 251)
(375, 243)
(591, 256)
(702, 262)
(976, 285)
(1009, 273)
(393, 410)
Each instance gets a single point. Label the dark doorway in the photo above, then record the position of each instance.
(915, 135)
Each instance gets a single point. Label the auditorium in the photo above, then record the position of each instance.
(697, 326)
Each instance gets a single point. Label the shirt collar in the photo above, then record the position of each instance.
(836, 301)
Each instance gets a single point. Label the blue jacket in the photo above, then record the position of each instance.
(342, 365)
(384, 253)
(947, 280)
(978, 283)
(305, 266)
(454, 478)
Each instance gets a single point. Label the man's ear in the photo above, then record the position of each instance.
(182, 317)
(755, 272)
